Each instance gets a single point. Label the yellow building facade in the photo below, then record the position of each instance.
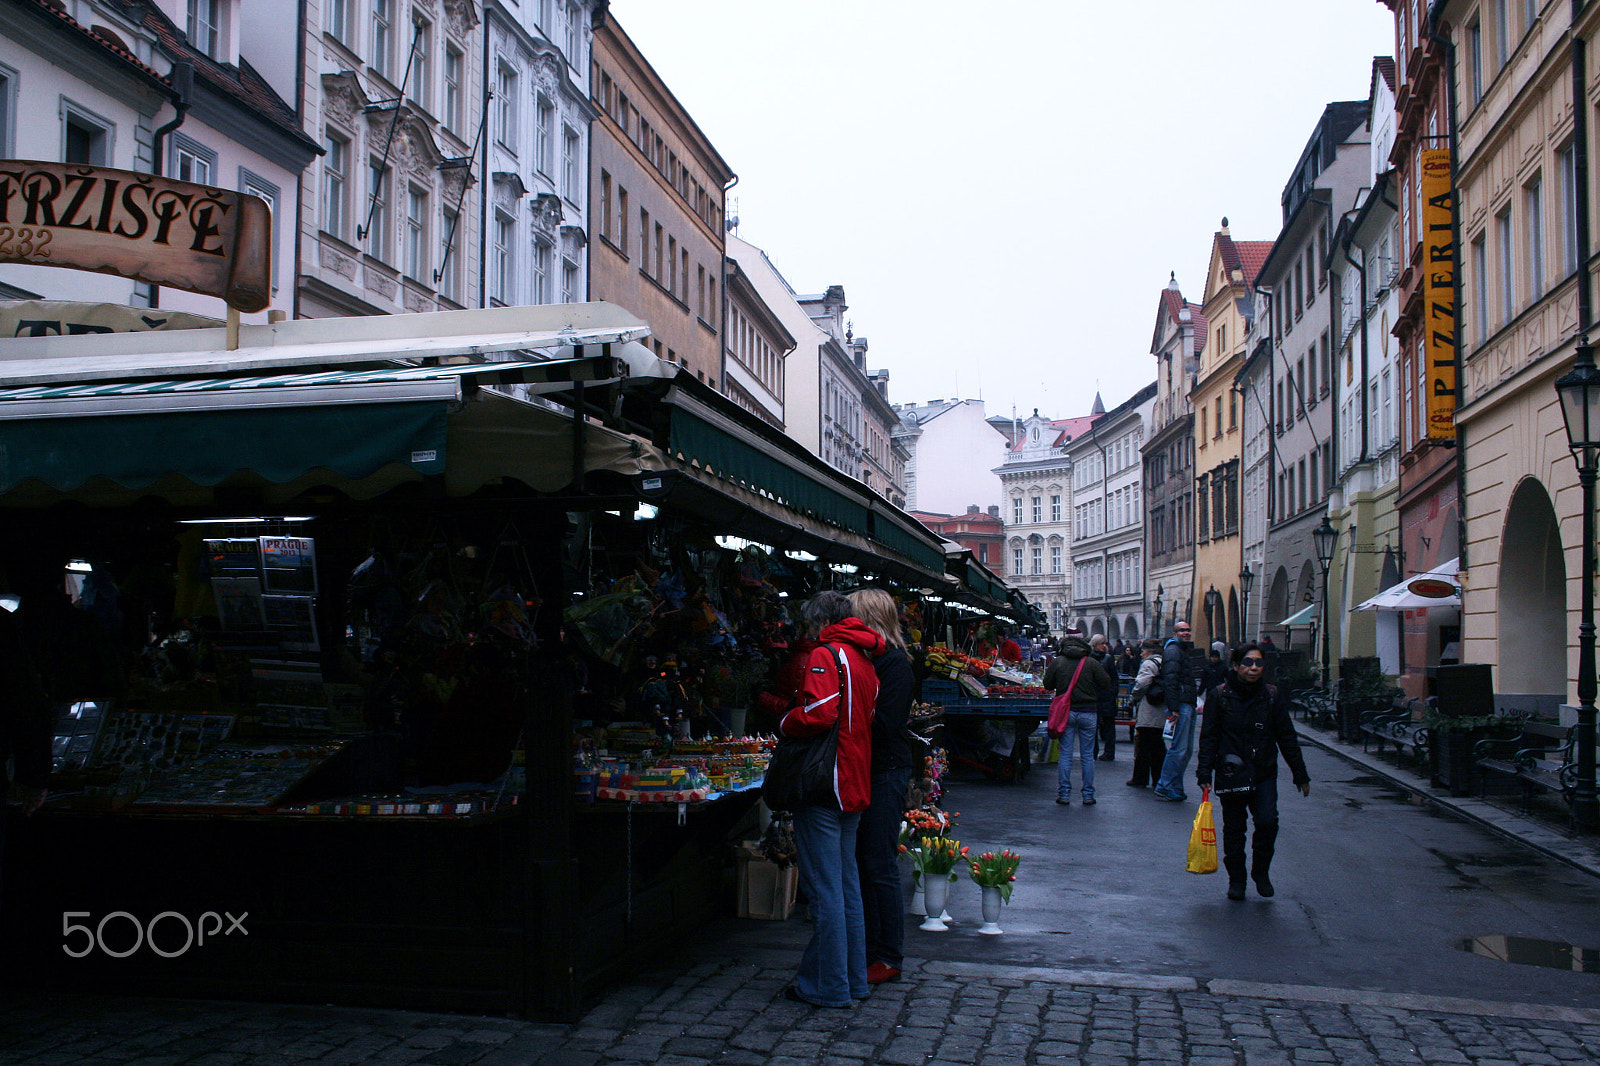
(1218, 436)
(1519, 146)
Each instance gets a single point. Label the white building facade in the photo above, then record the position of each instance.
(1107, 522)
(952, 454)
(1035, 481)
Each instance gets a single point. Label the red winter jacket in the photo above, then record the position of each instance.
(818, 705)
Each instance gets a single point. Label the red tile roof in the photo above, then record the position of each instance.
(1385, 65)
(1252, 257)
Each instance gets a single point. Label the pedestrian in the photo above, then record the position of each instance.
(839, 685)
(1148, 748)
(1101, 648)
(1216, 670)
(878, 839)
(25, 726)
(1247, 723)
(1177, 678)
(1094, 693)
(1131, 659)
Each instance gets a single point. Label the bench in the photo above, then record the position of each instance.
(1316, 706)
(1399, 725)
(1543, 758)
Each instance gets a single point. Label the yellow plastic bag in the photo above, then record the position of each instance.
(1203, 839)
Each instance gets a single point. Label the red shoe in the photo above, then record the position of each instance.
(879, 972)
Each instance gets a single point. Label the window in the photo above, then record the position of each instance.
(1502, 33)
(377, 234)
(191, 160)
(1038, 560)
(417, 265)
(1038, 509)
(1475, 61)
(257, 186)
(449, 280)
(541, 272)
(1055, 509)
(622, 218)
(1219, 416)
(421, 49)
(1533, 223)
(454, 78)
(1507, 264)
(574, 35)
(205, 20)
(644, 241)
(1055, 558)
(1202, 426)
(569, 281)
(1480, 288)
(569, 163)
(503, 253)
(1016, 561)
(507, 101)
(383, 37)
(1568, 168)
(338, 14)
(544, 132)
(8, 92)
(1016, 510)
(85, 139)
(335, 181)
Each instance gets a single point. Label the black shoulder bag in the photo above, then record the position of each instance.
(801, 772)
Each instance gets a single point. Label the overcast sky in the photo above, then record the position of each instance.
(1002, 189)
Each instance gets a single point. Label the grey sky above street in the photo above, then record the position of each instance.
(1003, 190)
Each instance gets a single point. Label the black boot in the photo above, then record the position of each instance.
(1234, 864)
(1261, 857)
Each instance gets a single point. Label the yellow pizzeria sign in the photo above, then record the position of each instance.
(139, 226)
(1440, 260)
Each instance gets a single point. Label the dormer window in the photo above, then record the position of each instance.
(205, 26)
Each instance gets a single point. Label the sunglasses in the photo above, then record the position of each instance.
(1254, 662)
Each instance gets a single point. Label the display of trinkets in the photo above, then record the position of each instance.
(238, 777)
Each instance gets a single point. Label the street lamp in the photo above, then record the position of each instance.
(1155, 630)
(1213, 608)
(1579, 390)
(1324, 537)
(1246, 578)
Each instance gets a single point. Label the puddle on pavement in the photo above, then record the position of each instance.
(1392, 792)
(1530, 951)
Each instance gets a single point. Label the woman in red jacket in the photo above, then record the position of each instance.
(840, 685)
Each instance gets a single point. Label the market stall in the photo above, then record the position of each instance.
(390, 673)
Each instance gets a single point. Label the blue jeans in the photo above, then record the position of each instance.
(1082, 728)
(1177, 760)
(833, 970)
(878, 855)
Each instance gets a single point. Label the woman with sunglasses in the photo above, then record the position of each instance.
(1246, 725)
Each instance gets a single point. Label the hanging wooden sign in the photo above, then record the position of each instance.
(1440, 260)
(177, 233)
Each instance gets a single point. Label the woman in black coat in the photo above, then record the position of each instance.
(1246, 725)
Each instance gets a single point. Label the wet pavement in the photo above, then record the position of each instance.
(1111, 954)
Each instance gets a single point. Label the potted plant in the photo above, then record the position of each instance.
(995, 873)
(1451, 740)
(1362, 688)
(936, 861)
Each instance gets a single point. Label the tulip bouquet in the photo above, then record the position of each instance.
(938, 857)
(996, 870)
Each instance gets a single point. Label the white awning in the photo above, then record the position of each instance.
(470, 336)
(1400, 597)
(1305, 616)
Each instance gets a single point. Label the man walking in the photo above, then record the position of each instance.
(1177, 677)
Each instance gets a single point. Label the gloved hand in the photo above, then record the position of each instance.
(1203, 780)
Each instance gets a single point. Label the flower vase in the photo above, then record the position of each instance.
(935, 892)
(917, 904)
(991, 912)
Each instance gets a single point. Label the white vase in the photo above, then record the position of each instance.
(917, 904)
(935, 892)
(991, 912)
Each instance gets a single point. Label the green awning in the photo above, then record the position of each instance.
(277, 444)
(1305, 616)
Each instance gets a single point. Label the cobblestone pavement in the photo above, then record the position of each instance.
(733, 1012)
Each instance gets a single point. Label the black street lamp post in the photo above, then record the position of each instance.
(1579, 390)
(1324, 537)
(1155, 630)
(1213, 611)
(1246, 578)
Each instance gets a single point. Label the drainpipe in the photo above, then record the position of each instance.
(1451, 104)
(182, 88)
(1580, 168)
(1365, 414)
(1272, 412)
(486, 201)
